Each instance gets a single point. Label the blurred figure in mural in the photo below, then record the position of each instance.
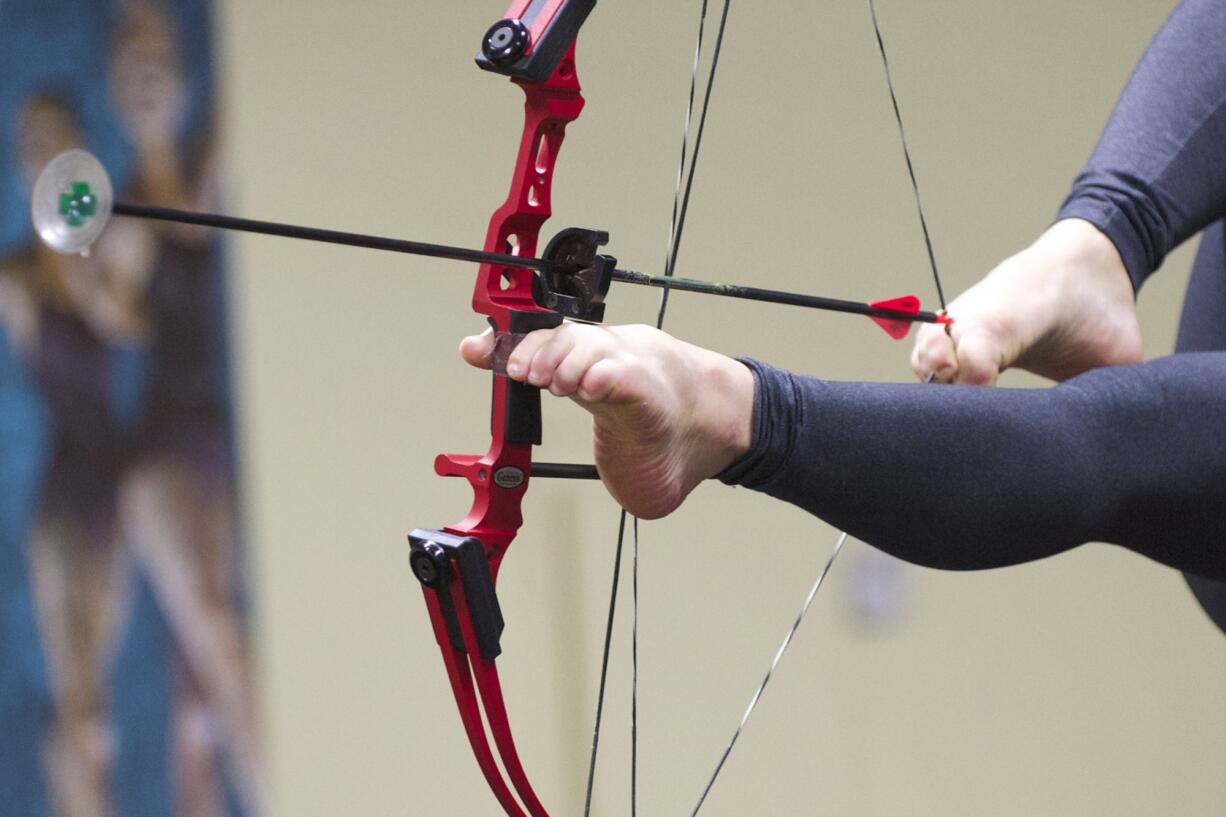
(44, 127)
(126, 352)
(79, 325)
(177, 501)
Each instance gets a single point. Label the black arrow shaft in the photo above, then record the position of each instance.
(771, 296)
(248, 225)
(371, 242)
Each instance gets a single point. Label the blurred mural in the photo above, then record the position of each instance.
(123, 664)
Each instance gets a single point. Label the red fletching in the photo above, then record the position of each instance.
(896, 328)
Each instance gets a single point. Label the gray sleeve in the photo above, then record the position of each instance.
(968, 478)
(1158, 173)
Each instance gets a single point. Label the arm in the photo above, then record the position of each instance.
(963, 478)
(1157, 175)
(1065, 304)
(957, 478)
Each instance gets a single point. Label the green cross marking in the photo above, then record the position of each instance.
(77, 207)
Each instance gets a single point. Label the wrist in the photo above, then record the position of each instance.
(1085, 248)
(727, 411)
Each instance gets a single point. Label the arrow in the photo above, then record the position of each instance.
(894, 315)
(77, 205)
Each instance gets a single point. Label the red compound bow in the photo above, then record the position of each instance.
(458, 565)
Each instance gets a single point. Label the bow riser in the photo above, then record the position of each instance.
(459, 565)
(504, 295)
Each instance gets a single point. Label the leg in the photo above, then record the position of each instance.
(180, 531)
(75, 583)
(1202, 327)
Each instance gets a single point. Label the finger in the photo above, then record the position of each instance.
(478, 350)
(543, 351)
(561, 363)
(521, 362)
(978, 359)
(934, 356)
(595, 347)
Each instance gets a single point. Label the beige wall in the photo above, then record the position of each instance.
(1089, 684)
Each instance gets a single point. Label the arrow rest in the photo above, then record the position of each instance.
(579, 294)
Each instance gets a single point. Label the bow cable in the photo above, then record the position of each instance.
(842, 536)
(604, 659)
(681, 199)
(787, 640)
(902, 138)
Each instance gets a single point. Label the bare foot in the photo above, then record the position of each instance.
(1060, 307)
(665, 414)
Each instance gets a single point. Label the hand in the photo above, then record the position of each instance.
(666, 415)
(1060, 307)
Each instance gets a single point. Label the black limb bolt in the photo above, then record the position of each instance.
(532, 47)
(429, 563)
(505, 41)
(433, 553)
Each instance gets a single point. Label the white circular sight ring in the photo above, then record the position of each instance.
(72, 201)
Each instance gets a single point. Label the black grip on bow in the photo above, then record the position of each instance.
(522, 421)
(436, 557)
